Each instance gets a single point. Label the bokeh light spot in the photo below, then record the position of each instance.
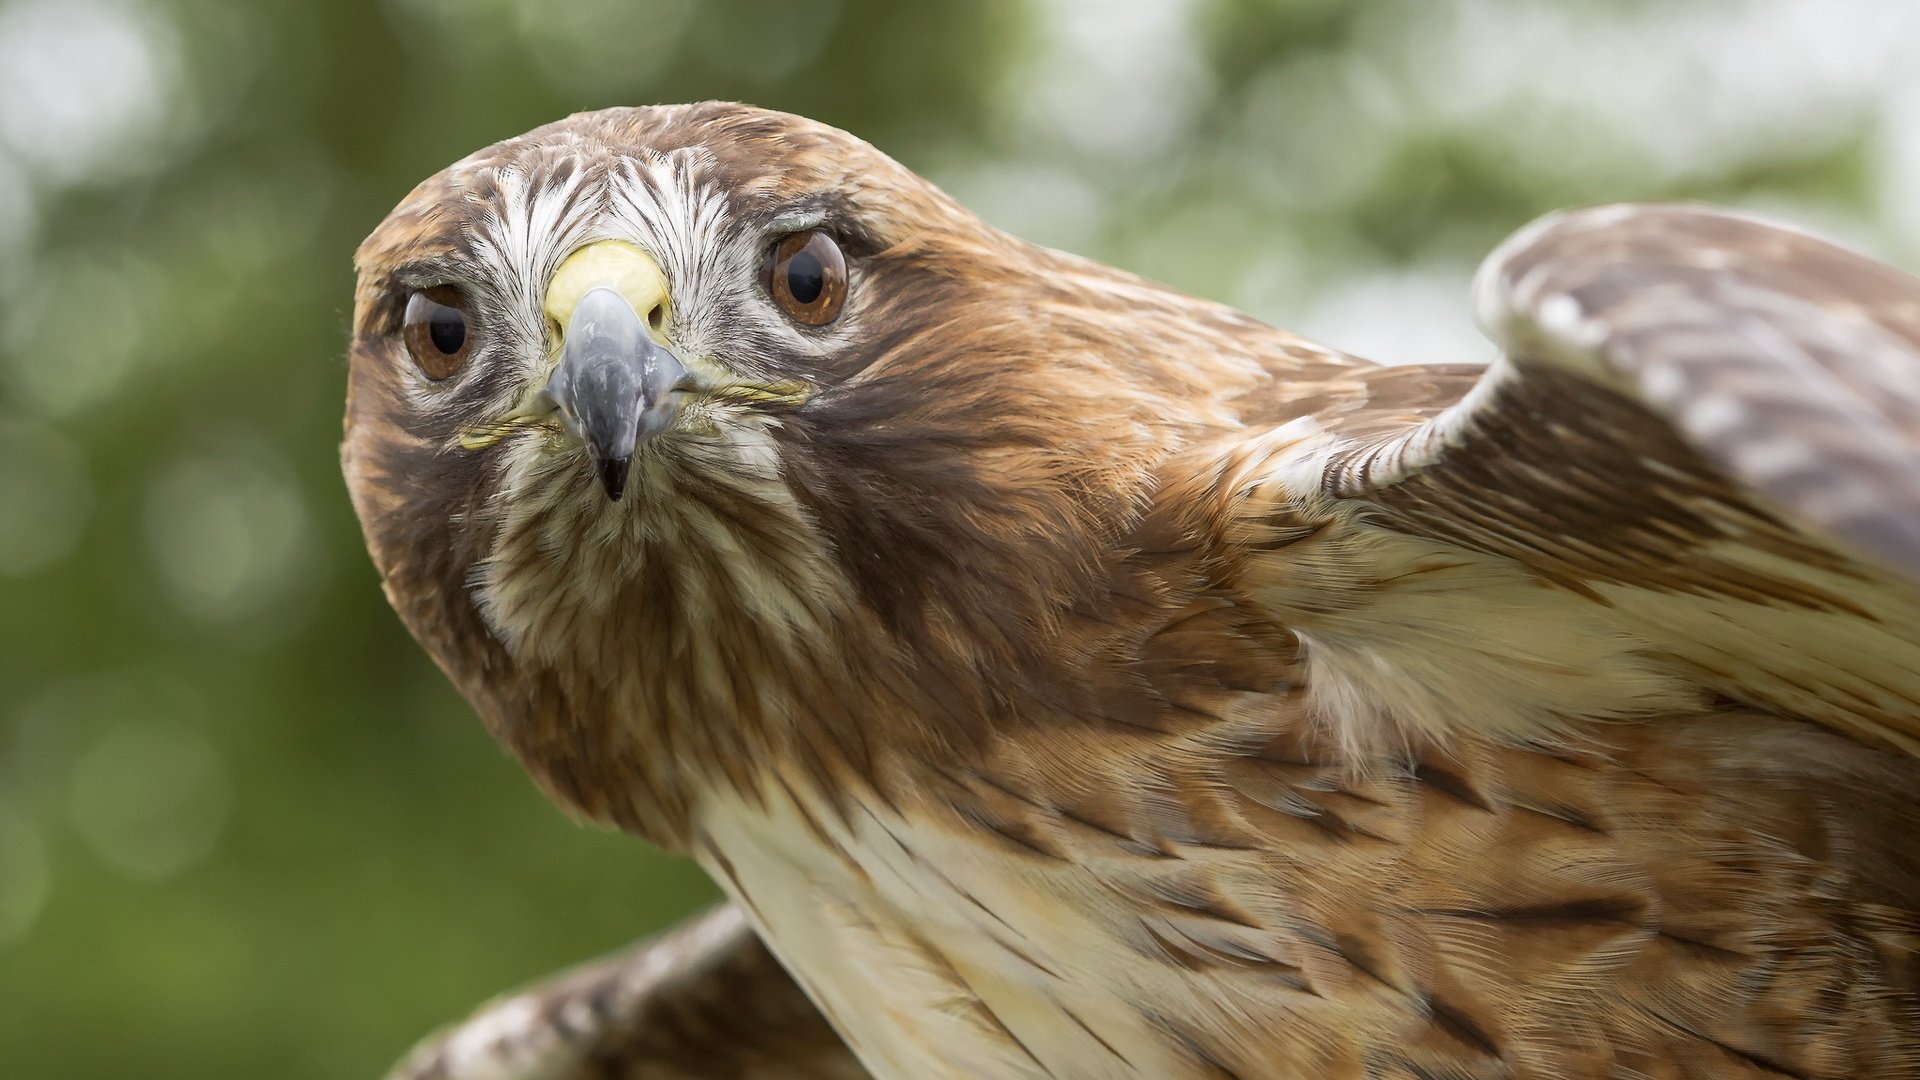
(228, 535)
(83, 83)
(57, 356)
(1116, 82)
(151, 799)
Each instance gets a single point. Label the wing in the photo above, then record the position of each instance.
(1692, 476)
(1658, 506)
(707, 999)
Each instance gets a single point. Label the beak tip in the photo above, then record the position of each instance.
(613, 476)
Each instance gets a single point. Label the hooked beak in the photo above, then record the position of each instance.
(615, 384)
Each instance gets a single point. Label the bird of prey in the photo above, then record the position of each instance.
(1065, 677)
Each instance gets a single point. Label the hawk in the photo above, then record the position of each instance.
(1066, 677)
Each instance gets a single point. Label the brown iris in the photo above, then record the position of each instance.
(438, 330)
(807, 275)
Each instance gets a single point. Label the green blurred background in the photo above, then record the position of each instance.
(246, 830)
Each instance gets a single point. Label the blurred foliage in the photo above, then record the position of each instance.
(245, 828)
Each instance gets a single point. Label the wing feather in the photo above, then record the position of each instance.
(705, 999)
(1790, 364)
(1693, 474)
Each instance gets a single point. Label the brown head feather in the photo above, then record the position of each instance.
(980, 432)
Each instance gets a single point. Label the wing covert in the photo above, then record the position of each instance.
(1693, 474)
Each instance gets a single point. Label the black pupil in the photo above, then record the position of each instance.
(806, 278)
(447, 328)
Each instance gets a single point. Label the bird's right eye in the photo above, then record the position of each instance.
(438, 331)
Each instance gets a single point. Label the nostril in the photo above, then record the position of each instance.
(657, 316)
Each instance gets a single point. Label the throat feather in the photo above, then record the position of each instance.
(677, 630)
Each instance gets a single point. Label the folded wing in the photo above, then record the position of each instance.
(1693, 475)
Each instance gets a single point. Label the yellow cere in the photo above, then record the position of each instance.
(631, 272)
(609, 264)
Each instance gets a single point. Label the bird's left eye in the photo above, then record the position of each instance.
(807, 275)
(438, 330)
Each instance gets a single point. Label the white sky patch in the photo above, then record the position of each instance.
(1685, 90)
(1046, 204)
(1414, 316)
(1317, 129)
(85, 85)
(1202, 246)
(1115, 82)
(1897, 161)
(1595, 104)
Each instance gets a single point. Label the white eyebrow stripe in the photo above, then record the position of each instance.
(672, 206)
(533, 219)
(794, 221)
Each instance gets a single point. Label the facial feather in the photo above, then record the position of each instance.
(966, 443)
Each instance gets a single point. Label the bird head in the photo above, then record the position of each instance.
(660, 414)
